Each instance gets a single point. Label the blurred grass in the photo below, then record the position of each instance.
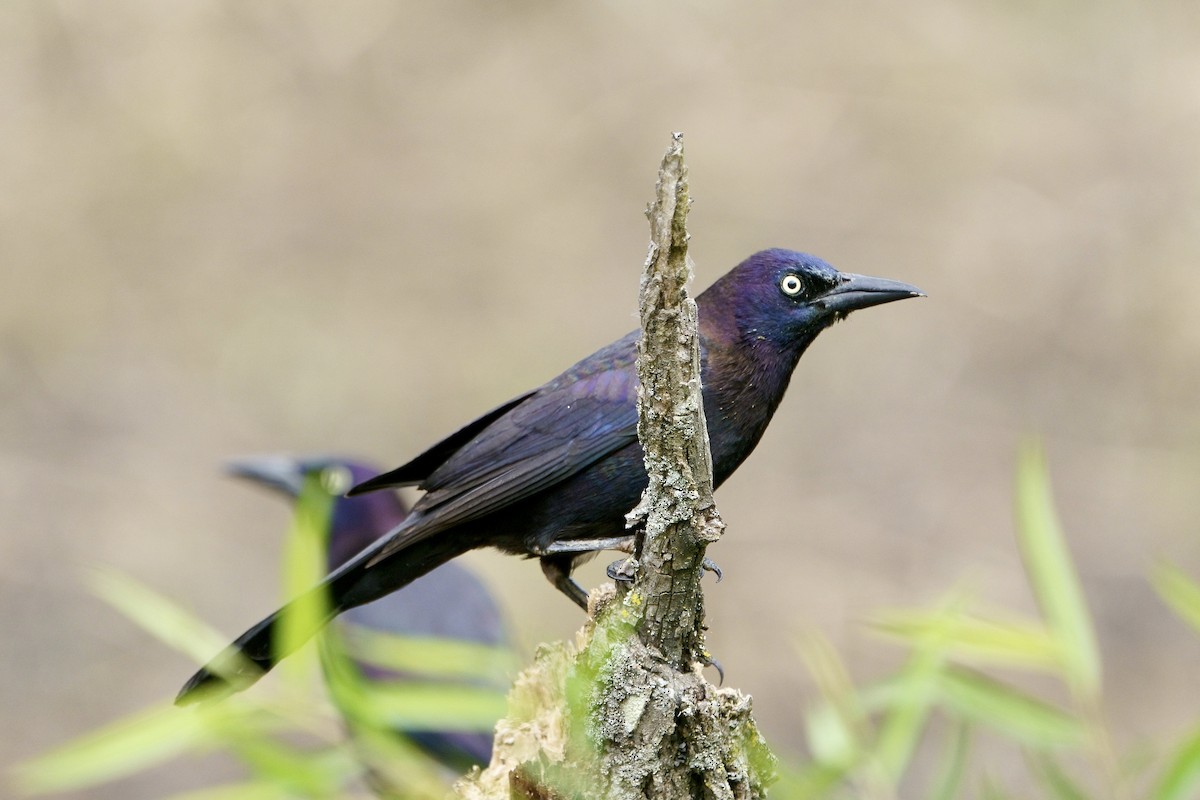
(288, 740)
(304, 565)
(864, 741)
(1179, 592)
(877, 740)
(1052, 575)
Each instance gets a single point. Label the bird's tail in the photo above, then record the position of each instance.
(256, 651)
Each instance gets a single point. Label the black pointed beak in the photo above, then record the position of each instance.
(280, 473)
(863, 291)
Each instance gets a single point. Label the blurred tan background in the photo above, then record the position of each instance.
(239, 227)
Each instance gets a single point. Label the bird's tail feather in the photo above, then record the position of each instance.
(256, 651)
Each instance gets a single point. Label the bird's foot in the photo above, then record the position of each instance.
(622, 570)
(707, 660)
(558, 570)
(710, 566)
(566, 546)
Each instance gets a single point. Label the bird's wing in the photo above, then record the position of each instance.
(578, 418)
(423, 465)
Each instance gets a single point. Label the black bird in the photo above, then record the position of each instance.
(552, 472)
(448, 604)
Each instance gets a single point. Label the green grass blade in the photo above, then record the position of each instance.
(428, 655)
(304, 565)
(915, 693)
(1180, 779)
(411, 704)
(398, 768)
(1052, 574)
(428, 706)
(985, 701)
(948, 785)
(974, 639)
(162, 618)
(830, 739)
(989, 789)
(1179, 592)
(836, 729)
(307, 773)
(1054, 779)
(122, 748)
(250, 790)
(810, 782)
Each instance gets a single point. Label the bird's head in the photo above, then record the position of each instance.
(787, 298)
(354, 522)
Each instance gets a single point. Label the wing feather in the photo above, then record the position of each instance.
(420, 468)
(570, 423)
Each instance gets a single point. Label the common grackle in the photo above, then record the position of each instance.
(448, 604)
(552, 472)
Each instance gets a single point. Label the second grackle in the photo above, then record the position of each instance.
(450, 604)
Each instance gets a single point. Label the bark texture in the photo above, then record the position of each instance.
(624, 712)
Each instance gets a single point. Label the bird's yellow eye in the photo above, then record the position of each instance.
(335, 480)
(791, 285)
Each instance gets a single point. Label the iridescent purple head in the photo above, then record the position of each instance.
(787, 298)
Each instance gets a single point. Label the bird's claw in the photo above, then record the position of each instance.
(622, 570)
(709, 565)
(708, 661)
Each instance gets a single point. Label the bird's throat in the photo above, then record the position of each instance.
(749, 383)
